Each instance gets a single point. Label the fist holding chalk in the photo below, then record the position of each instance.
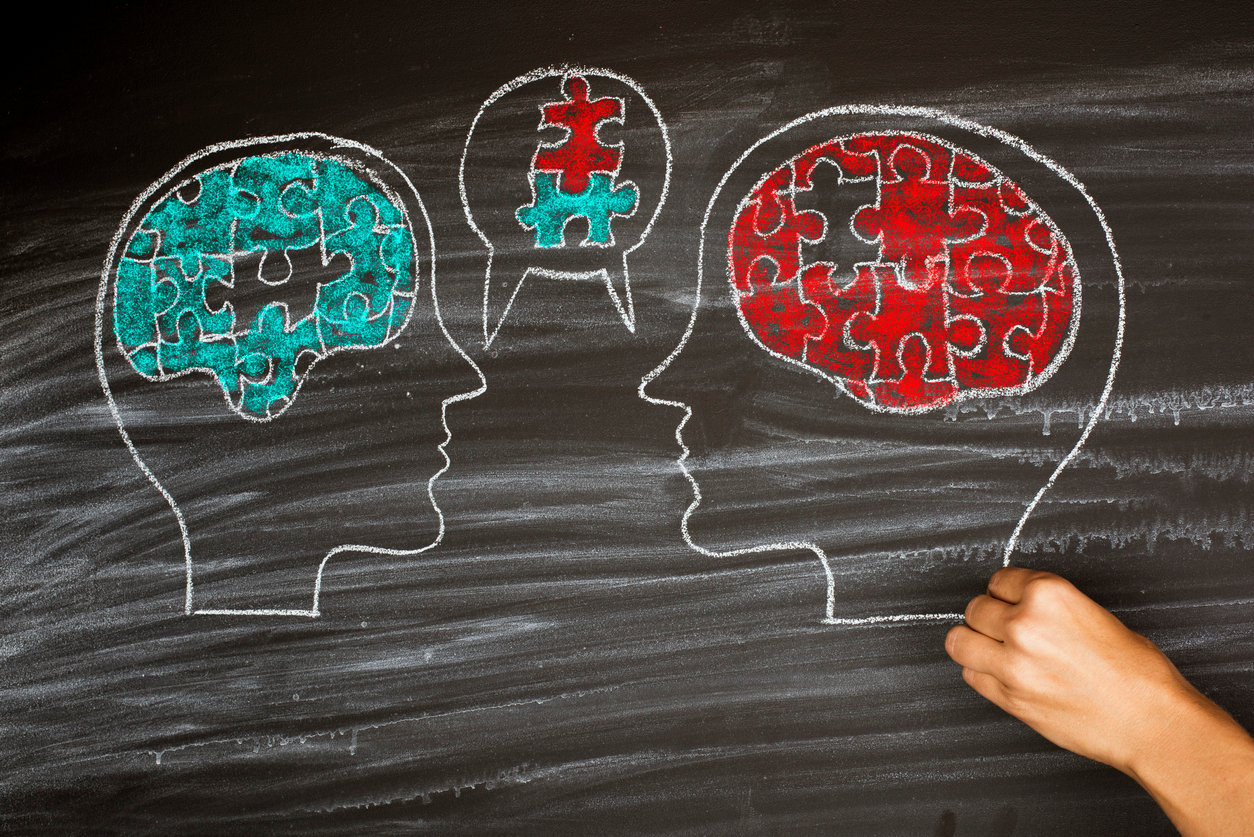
(1052, 657)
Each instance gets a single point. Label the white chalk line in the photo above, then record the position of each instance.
(623, 303)
(1034, 380)
(877, 110)
(101, 296)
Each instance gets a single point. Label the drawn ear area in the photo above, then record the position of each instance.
(252, 271)
(948, 283)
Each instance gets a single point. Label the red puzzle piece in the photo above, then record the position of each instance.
(581, 153)
(913, 221)
(915, 389)
(903, 312)
(1014, 250)
(971, 288)
(771, 228)
(853, 166)
(780, 318)
(834, 351)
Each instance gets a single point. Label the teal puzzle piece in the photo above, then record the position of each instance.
(598, 203)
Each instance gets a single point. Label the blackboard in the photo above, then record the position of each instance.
(547, 653)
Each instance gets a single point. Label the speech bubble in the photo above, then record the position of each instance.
(569, 197)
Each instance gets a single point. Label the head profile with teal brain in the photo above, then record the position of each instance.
(270, 345)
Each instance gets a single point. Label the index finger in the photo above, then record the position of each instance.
(1008, 583)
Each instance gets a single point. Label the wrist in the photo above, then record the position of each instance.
(1194, 744)
(1174, 724)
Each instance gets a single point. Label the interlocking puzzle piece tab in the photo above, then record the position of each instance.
(184, 295)
(581, 153)
(191, 348)
(370, 278)
(197, 218)
(853, 166)
(265, 184)
(1015, 251)
(834, 351)
(340, 192)
(778, 314)
(902, 312)
(913, 221)
(883, 148)
(888, 343)
(1022, 333)
(280, 342)
(137, 302)
(771, 230)
(598, 204)
(917, 388)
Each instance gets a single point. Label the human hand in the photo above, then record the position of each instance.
(1052, 657)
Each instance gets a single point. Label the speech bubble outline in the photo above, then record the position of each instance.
(495, 310)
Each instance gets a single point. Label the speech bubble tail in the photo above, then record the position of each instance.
(618, 283)
(499, 293)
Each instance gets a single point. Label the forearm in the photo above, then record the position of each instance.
(1199, 768)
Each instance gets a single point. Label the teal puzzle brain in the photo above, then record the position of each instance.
(222, 233)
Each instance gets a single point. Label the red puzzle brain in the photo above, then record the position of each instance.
(965, 287)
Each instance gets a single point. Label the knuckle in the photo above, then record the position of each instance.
(1020, 629)
(1014, 703)
(1017, 674)
(1049, 588)
(1002, 576)
(1015, 630)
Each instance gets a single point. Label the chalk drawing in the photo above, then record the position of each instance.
(272, 206)
(574, 177)
(205, 225)
(967, 289)
(989, 270)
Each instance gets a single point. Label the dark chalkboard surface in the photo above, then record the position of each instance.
(531, 645)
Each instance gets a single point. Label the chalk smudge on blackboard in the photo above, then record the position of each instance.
(257, 744)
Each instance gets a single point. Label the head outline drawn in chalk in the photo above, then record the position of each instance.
(507, 270)
(782, 145)
(394, 186)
